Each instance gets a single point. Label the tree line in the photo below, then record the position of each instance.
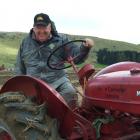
(105, 56)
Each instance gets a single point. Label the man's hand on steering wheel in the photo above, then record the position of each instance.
(88, 43)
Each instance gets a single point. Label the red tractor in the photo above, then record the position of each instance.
(109, 109)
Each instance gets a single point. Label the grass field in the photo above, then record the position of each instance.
(9, 44)
(7, 55)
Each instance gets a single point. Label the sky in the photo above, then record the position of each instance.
(110, 19)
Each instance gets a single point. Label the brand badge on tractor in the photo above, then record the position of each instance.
(138, 93)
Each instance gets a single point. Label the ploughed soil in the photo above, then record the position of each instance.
(5, 75)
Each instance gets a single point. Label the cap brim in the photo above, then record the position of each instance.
(40, 23)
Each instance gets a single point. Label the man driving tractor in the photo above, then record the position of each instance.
(35, 50)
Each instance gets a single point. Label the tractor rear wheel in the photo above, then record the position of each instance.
(22, 119)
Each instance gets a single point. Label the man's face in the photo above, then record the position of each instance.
(42, 32)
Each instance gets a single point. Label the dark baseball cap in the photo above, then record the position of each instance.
(41, 19)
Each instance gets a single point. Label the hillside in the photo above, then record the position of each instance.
(10, 41)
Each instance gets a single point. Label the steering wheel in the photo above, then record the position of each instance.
(70, 59)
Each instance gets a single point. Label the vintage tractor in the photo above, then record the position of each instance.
(109, 109)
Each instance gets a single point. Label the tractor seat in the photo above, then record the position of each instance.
(85, 72)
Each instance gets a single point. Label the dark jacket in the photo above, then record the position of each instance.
(32, 57)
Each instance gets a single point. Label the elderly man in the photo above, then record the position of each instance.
(33, 61)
